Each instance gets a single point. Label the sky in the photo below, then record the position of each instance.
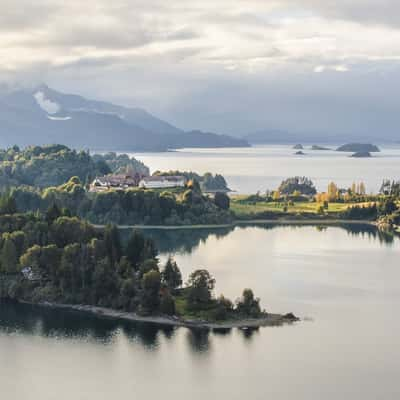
(323, 67)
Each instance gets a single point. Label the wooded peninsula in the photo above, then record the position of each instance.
(51, 253)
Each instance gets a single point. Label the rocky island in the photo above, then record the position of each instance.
(361, 154)
(359, 147)
(298, 147)
(319, 148)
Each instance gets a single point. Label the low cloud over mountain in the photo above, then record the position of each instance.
(43, 115)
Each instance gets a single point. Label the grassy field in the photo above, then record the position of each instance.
(242, 209)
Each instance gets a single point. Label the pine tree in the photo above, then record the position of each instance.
(112, 242)
(171, 275)
(9, 257)
(134, 248)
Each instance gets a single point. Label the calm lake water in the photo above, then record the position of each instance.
(258, 168)
(344, 280)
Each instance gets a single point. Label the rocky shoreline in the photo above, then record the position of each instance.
(266, 320)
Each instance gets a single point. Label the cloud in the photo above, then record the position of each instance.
(49, 106)
(337, 68)
(196, 62)
(260, 34)
(376, 12)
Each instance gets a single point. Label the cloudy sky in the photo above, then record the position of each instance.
(232, 66)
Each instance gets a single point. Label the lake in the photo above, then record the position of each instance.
(344, 281)
(248, 170)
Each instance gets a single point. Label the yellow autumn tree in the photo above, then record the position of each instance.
(277, 195)
(361, 189)
(321, 197)
(333, 192)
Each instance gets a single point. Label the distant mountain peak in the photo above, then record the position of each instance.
(43, 115)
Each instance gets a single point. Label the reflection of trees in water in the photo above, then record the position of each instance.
(199, 340)
(48, 322)
(42, 321)
(60, 323)
(183, 240)
(248, 333)
(187, 240)
(371, 232)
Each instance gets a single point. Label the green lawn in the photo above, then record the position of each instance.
(241, 209)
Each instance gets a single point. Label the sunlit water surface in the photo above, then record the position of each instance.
(344, 282)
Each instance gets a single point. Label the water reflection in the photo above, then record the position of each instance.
(249, 333)
(25, 319)
(345, 278)
(199, 340)
(186, 241)
(33, 320)
(180, 240)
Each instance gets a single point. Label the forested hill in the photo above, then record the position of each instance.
(53, 165)
(208, 182)
(43, 115)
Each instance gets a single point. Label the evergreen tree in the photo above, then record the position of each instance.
(112, 242)
(151, 283)
(222, 200)
(9, 257)
(171, 275)
(52, 213)
(7, 204)
(134, 248)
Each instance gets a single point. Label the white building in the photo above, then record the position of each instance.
(121, 182)
(161, 182)
(29, 274)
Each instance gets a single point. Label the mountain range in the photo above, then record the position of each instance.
(43, 115)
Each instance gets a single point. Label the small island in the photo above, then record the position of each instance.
(359, 147)
(361, 154)
(299, 153)
(298, 147)
(319, 148)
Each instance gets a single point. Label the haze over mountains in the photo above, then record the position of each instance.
(43, 115)
(275, 136)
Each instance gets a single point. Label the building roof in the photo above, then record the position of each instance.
(162, 178)
(119, 180)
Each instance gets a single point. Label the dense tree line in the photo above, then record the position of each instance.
(208, 182)
(385, 207)
(44, 166)
(300, 184)
(122, 163)
(54, 257)
(134, 206)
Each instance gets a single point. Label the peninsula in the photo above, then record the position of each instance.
(73, 265)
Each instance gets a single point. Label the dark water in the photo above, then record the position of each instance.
(346, 279)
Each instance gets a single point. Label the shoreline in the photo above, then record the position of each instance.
(102, 312)
(333, 222)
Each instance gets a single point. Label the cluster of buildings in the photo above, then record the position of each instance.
(124, 182)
